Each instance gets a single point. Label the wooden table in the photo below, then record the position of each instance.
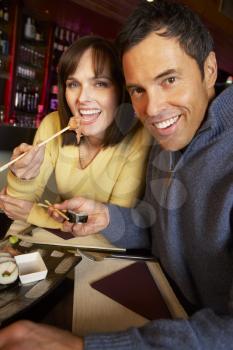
(94, 312)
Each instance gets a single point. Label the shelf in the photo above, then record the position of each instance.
(30, 66)
(33, 43)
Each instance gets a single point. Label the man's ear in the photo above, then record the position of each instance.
(210, 70)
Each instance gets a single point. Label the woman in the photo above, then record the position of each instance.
(108, 164)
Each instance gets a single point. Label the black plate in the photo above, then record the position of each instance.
(17, 298)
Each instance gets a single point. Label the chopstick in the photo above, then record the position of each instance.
(49, 204)
(57, 210)
(5, 166)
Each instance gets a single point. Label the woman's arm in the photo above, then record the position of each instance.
(31, 189)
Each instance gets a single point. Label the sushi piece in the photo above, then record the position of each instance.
(75, 124)
(8, 271)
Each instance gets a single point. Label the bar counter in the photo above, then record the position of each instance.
(11, 136)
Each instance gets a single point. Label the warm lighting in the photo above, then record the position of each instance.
(229, 80)
(149, 0)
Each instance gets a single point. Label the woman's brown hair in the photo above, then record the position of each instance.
(102, 51)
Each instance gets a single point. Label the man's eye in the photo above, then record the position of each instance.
(171, 80)
(137, 91)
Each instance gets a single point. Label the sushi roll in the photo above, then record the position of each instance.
(8, 269)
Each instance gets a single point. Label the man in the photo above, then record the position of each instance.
(170, 70)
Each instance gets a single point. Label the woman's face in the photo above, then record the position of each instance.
(93, 98)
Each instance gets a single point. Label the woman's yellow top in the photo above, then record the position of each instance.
(115, 175)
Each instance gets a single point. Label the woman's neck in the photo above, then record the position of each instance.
(89, 147)
(92, 141)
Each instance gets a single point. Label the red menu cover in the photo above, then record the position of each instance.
(59, 233)
(134, 287)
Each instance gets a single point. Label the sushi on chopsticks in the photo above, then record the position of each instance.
(74, 124)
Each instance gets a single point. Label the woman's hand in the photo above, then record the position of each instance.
(28, 167)
(98, 215)
(15, 209)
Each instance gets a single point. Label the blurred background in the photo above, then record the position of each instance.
(33, 35)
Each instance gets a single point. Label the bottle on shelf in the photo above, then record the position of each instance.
(4, 43)
(18, 97)
(53, 103)
(61, 41)
(39, 116)
(67, 41)
(36, 98)
(30, 29)
(26, 98)
(39, 37)
(73, 37)
(1, 11)
(30, 66)
(1, 114)
(5, 12)
(4, 51)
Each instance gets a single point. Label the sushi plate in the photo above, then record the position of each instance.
(17, 297)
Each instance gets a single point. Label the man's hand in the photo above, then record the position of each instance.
(27, 167)
(16, 209)
(26, 335)
(98, 215)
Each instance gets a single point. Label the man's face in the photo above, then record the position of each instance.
(167, 90)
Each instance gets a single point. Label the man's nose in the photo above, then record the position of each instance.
(156, 101)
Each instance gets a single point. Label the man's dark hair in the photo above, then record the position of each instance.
(171, 20)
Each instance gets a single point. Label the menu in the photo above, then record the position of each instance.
(58, 237)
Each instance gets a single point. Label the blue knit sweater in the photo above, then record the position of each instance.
(188, 211)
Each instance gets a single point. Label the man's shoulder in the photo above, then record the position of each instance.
(222, 107)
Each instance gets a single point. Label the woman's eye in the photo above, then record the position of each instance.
(71, 84)
(101, 84)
